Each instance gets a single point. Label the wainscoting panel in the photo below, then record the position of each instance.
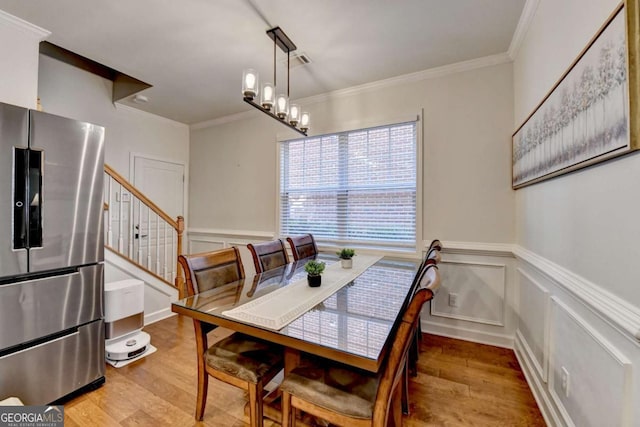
(598, 389)
(479, 289)
(533, 327)
(482, 276)
(202, 240)
(197, 245)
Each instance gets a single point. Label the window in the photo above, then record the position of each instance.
(356, 187)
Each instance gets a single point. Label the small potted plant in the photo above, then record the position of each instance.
(314, 270)
(345, 257)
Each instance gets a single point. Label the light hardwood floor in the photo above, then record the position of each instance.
(458, 384)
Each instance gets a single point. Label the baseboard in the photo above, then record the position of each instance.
(480, 337)
(165, 313)
(551, 417)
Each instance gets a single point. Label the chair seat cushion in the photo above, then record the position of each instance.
(245, 357)
(334, 387)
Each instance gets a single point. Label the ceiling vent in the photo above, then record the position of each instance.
(297, 60)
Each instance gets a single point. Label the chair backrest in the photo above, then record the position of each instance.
(435, 244)
(392, 371)
(268, 255)
(209, 270)
(302, 246)
(430, 278)
(433, 257)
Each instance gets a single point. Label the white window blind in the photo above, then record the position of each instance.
(356, 187)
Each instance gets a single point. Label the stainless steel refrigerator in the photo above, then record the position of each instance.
(51, 255)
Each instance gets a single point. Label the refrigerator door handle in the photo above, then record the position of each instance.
(35, 199)
(20, 160)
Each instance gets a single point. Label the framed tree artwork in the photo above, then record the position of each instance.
(591, 114)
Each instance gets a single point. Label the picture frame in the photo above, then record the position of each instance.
(591, 113)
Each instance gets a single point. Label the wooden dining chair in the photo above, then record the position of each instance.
(240, 360)
(302, 246)
(429, 278)
(268, 255)
(349, 397)
(432, 259)
(435, 244)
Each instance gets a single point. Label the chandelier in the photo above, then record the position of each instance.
(278, 106)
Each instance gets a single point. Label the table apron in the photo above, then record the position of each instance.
(294, 343)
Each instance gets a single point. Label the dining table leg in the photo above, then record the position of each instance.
(271, 401)
(291, 359)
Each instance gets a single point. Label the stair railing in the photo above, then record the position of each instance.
(139, 231)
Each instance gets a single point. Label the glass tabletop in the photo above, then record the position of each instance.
(357, 320)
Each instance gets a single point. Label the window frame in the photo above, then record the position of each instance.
(416, 249)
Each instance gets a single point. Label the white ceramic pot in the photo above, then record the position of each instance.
(347, 263)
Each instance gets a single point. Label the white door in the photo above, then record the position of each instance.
(162, 182)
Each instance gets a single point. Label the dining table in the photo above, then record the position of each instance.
(354, 325)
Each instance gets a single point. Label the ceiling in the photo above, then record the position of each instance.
(193, 51)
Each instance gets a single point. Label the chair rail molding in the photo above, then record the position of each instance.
(233, 233)
(603, 303)
(613, 309)
(475, 248)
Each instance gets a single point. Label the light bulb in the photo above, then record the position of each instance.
(267, 96)
(294, 114)
(282, 108)
(305, 119)
(249, 83)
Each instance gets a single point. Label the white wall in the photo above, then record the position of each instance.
(570, 219)
(157, 295)
(19, 53)
(72, 92)
(466, 155)
(467, 200)
(577, 243)
(68, 91)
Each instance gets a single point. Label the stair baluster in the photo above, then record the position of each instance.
(136, 239)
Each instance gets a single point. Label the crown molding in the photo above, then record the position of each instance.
(24, 26)
(431, 73)
(222, 120)
(528, 12)
(152, 116)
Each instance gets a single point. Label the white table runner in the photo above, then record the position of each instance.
(281, 307)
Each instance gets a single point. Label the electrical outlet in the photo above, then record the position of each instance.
(565, 381)
(453, 300)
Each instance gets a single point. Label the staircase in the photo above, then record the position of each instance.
(140, 235)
